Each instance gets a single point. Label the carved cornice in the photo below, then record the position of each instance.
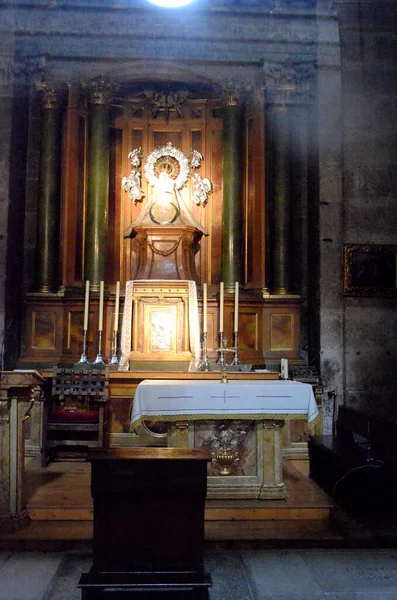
(11, 72)
(100, 90)
(164, 102)
(289, 82)
(35, 70)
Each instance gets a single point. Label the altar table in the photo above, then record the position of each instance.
(266, 404)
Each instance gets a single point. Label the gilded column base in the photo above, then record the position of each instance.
(282, 291)
(46, 289)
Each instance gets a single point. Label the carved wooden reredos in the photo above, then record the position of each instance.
(103, 124)
(149, 116)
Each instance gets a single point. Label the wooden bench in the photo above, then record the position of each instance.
(356, 466)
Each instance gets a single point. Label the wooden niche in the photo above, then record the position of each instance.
(160, 323)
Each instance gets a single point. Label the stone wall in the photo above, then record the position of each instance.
(358, 335)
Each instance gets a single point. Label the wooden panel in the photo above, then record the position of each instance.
(115, 235)
(74, 332)
(281, 328)
(281, 332)
(44, 330)
(254, 195)
(74, 189)
(249, 330)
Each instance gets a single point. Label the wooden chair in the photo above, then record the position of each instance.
(75, 416)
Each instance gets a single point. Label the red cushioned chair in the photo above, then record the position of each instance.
(76, 410)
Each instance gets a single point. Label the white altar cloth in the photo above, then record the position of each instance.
(206, 400)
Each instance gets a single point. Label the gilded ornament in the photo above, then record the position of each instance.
(226, 444)
(167, 169)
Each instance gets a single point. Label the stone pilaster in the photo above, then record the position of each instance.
(286, 123)
(279, 86)
(100, 92)
(6, 97)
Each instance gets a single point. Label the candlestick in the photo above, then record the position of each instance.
(205, 365)
(204, 308)
(83, 358)
(221, 307)
(116, 308)
(100, 320)
(236, 307)
(114, 359)
(99, 359)
(86, 304)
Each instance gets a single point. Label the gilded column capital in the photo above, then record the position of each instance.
(50, 94)
(100, 90)
(235, 93)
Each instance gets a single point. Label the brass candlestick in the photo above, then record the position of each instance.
(221, 350)
(205, 365)
(83, 358)
(236, 360)
(99, 359)
(114, 360)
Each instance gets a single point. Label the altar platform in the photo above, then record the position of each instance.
(59, 505)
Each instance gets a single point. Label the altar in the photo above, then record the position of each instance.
(240, 422)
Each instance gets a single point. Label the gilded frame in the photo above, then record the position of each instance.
(369, 270)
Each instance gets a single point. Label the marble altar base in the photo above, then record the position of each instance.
(252, 469)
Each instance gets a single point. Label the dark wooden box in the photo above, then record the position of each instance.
(148, 520)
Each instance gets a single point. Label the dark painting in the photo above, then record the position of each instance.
(369, 270)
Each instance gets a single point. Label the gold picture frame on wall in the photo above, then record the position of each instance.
(369, 270)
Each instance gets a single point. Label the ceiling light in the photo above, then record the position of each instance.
(170, 3)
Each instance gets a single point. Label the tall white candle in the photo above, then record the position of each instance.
(236, 306)
(204, 308)
(100, 320)
(116, 308)
(86, 304)
(221, 307)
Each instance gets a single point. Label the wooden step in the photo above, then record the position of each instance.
(60, 506)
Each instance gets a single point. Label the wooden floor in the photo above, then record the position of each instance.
(60, 507)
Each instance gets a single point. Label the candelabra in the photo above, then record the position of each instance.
(223, 348)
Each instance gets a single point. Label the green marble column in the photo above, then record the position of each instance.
(49, 201)
(232, 210)
(280, 224)
(96, 223)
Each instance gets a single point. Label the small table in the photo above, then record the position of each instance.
(268, 403)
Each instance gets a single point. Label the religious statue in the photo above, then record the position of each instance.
(167, 170)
